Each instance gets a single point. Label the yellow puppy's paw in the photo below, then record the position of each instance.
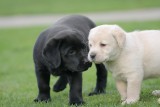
(156, 92)
(158, 101)
(129, 101)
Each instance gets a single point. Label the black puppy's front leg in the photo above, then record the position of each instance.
(101, 80)
(43, 79)
(75, 93)
(61, 84)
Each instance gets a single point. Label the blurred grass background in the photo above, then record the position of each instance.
(18, 85)
(21, 7)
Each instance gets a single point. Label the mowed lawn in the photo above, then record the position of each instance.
(21, 7)
(18, 85)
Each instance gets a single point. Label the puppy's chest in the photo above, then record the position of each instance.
(117, 72)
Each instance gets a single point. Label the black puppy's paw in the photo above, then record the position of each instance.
(59, 87)
(97, 92)
(79, 103)
(42, 98)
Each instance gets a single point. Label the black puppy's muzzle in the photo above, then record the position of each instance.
(87, 62)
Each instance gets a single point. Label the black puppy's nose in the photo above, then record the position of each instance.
(86, 61)
(93, 55)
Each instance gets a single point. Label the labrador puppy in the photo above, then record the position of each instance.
(131, 57)
(61, 50)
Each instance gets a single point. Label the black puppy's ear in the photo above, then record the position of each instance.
(51, 53)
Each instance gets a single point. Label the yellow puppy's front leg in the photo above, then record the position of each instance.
(122, 89)
(133, 91)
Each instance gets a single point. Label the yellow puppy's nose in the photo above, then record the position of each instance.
(93, 55)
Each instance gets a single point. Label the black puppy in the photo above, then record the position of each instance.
(62, 50)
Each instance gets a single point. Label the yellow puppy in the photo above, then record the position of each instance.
(131, 57)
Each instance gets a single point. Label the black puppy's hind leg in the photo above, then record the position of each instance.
(60, 84)
(101, 80)
(43, 79)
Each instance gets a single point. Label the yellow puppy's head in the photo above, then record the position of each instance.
(105, 43)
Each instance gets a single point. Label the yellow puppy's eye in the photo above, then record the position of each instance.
(103, 45)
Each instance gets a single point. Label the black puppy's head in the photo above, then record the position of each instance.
(68, 50)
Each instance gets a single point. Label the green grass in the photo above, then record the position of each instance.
(18, 85)
(14, 7)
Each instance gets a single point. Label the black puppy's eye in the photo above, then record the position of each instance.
(72, 52)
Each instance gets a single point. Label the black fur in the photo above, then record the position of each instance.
(61, 50)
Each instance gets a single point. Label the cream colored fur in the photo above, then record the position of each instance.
(131, 57)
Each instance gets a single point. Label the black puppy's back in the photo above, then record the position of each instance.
(76, 21)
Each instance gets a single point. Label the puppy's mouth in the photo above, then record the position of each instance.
(106, 60)
(81, 68)
(98, 61)
(84, 67)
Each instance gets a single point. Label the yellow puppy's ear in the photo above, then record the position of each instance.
(120, 35)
